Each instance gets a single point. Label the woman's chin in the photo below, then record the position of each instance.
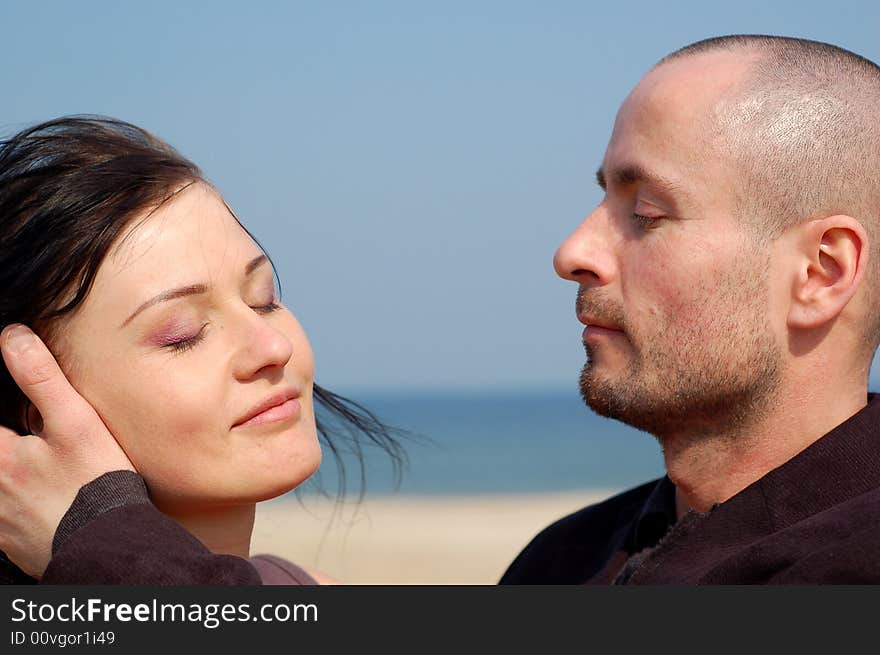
(258, 479)
(280, 490)
(206, 501)
(267, 487)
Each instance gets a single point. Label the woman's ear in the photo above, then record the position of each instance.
(832, 263)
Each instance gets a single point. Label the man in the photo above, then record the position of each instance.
(727, 281)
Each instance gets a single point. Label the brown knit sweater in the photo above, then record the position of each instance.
(112, 534)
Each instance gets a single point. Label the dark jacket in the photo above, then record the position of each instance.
(815, 519)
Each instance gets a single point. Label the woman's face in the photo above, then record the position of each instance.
(181, 347)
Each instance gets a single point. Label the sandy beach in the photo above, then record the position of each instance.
(410, 539)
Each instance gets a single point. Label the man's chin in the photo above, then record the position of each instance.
(600, 394)
(664, 412)
(621, 401)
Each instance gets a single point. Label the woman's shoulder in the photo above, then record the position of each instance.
(276, 570)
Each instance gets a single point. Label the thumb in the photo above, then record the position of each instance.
(38, 375)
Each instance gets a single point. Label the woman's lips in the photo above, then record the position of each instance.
(286, 410)
(280, 407)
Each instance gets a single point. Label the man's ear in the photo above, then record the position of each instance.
(832, 263)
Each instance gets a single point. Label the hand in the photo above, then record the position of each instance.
(40, 475)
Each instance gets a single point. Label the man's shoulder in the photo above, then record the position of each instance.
(567, 551)
(837, 546)
(834, 546)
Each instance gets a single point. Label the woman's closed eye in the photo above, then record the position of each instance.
(267, 309)
(180, 344)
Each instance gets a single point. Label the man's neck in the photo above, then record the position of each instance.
(709, 468)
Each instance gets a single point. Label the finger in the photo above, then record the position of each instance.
(38, 375)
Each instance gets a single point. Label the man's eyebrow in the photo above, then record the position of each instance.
(629, 174)
(189, 290)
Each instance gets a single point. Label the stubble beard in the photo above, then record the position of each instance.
(717, 378)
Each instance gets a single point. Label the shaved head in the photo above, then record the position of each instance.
(802, 130)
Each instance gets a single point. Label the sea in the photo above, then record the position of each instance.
(494, 442)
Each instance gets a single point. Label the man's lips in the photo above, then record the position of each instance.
(592, 331)
(593, 322)
(597, 328)
(278, 406)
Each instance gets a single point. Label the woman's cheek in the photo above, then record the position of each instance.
(144, 418)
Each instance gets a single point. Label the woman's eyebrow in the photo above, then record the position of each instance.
(180, 292)
(189, 290)
(254, 263)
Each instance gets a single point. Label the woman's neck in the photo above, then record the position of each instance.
(223, 530)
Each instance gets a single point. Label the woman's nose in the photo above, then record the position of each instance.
(262, 347)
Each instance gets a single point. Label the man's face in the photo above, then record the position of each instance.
(664, 263)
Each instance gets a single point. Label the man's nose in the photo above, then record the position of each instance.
(586, 255)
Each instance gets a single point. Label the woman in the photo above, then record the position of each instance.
(161, 310)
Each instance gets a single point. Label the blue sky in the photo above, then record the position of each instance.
(411, 167)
